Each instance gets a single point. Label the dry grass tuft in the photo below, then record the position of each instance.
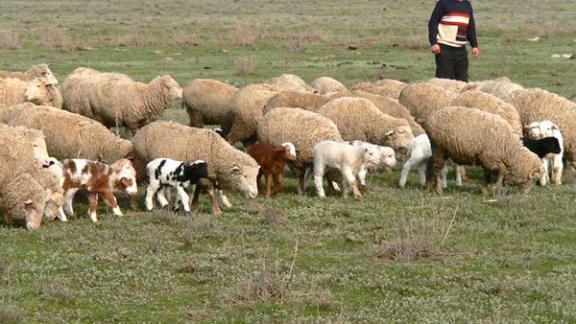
(245, 35)
(244, 66)
(10, 315)
(53, 38)
(11, 40)
(417, 238)
(188, 267)
(263, 287)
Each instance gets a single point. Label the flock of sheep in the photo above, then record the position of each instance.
(322, 130)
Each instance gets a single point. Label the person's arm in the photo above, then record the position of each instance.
(435, 18)
(471, 34)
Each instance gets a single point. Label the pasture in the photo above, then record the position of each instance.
(396, 256)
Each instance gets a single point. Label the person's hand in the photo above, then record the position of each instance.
(475, 52)
(435, 49)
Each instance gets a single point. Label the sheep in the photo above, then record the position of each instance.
(272, 160)
(422, 99)
(22, 197)
(180, 175)
(289, 82)
(360, 119)
(489, 103)
(206, 101)
(115, 100)
(300, 127)
(491, 143)
(38, 91)
(449, 84)
(386, 87)
(297, 99)
(246, 108)
(36, 71)
(349, 160)
(391, 107)
(227, 166)
(500, 87)
(387, 158)
(418, 155)
(326, 85)
(70, 135)
(545, 129)
(537, 105)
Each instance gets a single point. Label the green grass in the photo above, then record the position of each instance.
(503, 259)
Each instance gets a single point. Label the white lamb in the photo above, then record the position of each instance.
(387, 157)
(419, 152)
(552, 162)
(347, 159)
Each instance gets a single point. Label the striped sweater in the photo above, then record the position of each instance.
(452, 24)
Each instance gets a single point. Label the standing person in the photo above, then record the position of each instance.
(451, 26)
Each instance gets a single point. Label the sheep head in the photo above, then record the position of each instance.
(169, 83)
(38, 91)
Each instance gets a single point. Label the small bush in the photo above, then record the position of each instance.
(244, 66)
(11, 40)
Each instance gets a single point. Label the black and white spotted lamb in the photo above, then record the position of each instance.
(164, 173)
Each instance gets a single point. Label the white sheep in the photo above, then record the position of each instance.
(552, 162)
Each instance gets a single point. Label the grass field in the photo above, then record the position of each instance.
(397, 256)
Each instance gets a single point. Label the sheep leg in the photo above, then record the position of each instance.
(110, 200)
(487, 177)
(196, 117)
(267, 178)
(350, 184)
(93, 204)
(405, 171)
(183, 198)
(301, 183)
(222, 199)
(278, 178)
(318, 176)
(437, 163)
(499, 181)
(68, 199)
(557, 168)
(161, 195)
(150, 192)
(544, 178)
(362, 176)
(61, 215)
(459, 172)
(259, 180)
(195, 196)
(444, 174)
(213, 199)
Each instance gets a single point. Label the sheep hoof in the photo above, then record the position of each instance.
(187, 213)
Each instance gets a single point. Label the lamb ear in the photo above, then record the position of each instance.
(388, 135)
(28, 201)
(236, 168)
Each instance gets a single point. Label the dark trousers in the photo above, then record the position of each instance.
(452, 63)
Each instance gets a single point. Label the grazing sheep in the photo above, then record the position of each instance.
(70, 135)
(537, 105)
(500, 88)
(227, 166)
(300, 127)
(386, 87)
(449, 84)
(289, 82)
(163, 173)
(391, 107)
(326, 85)
(295, 99)
(488, 103)
(422, 99)
(206, 101)
(387, 158)
(272, 160)
(491, 143)
(100, 180)
(22, 197)
(37, 91)
(545, 129)
(360, 119)
(36, 71)
(349, 160)
(115, 100)
(246, 108)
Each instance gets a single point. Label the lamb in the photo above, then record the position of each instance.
(491, 143)
(387, 157)
(537, 105)
(390, 107)
(289, 82)
(489, 103)
(422, 99)
(386, 87)
(326, 85)
(500, 87)
(349, 160)
(36, 71)
(449, 84)
(546, 129)
(180, 175)
(360, 119)
(99, 179)
(38, 91)
(296, 99)
(206, 101)
(246, 109)
(300, 127)
(418, 155)
(227, 166)
(272, 160)
(115, 100)
(70, 135)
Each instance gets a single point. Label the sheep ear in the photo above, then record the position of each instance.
(28, 202)
(388, 134)
(236, 168)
